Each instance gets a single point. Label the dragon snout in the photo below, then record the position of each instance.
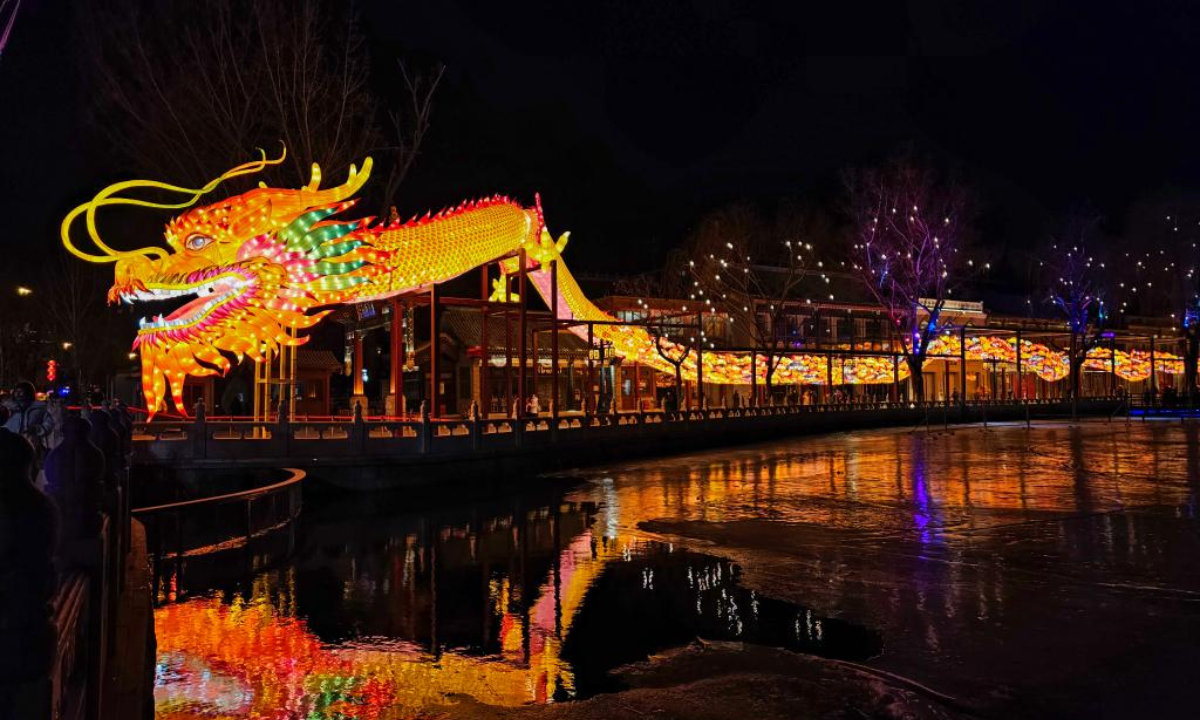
(131, 275)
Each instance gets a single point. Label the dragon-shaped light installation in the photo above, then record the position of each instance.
(263, 265)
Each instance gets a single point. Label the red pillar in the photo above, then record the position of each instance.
(434, 349)
(589, 405)
(485, 394)
(396, 340)
(700, 360)
(508, 385)
(554, 339)
(356, 368)
(521, 330)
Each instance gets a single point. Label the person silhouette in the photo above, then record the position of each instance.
(28, 546)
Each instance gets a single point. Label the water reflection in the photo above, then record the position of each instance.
(400, 612)
(536, 598)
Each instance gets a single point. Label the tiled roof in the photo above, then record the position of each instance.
(316, 360)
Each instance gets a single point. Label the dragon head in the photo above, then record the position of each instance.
(253, 270)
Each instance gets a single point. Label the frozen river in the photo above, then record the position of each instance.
(1011, 572)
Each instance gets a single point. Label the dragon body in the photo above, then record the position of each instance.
(260, 267)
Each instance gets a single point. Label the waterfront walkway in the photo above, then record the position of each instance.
(129, 684)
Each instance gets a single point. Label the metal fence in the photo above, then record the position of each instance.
(191, 528)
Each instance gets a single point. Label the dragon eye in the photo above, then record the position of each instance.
(197, 242)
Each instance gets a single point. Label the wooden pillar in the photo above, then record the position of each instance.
(637, 387)
(434, 350)
(946, 380)
(508, 385)
(1112, 366)
(395, 361)
(828, 377)
(537, 355)
(848, 395)
(700, 360)
(357, 365)
(1020, 382)
(554, 339)
(485, 354)
(570, 383)
(1153, 374)
(753, 399)
(257, 402)
(589, 405)
(485, 366)
(523, 299)
(895, 378)
(962, 367)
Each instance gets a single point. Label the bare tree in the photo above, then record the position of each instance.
(1075, 282)
(185, 88)
(674, 331)
(18, 351)
(909, 250)
(1163, 277)
(752, 270)
(76, 331)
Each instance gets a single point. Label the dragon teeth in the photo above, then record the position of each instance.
(161, 323)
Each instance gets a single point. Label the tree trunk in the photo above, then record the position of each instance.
(1077, 356)
(916, 364)
(678, 384)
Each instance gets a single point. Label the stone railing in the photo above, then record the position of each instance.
(309, 442)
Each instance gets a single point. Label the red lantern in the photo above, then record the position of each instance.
(51, 370)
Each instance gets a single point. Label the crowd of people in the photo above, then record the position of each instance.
(55, 481)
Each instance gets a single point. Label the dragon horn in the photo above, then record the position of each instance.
(312, 197)
(108, 196)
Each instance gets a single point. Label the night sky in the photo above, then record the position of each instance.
(633, 118)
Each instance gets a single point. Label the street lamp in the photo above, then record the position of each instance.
(24, 291)
(66, 346)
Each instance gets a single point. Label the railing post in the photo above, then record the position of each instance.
(283, 429)
(426, 429)
(476, 428)
(199, 432)
(518, 427)
(249, 524)
(358, 433)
